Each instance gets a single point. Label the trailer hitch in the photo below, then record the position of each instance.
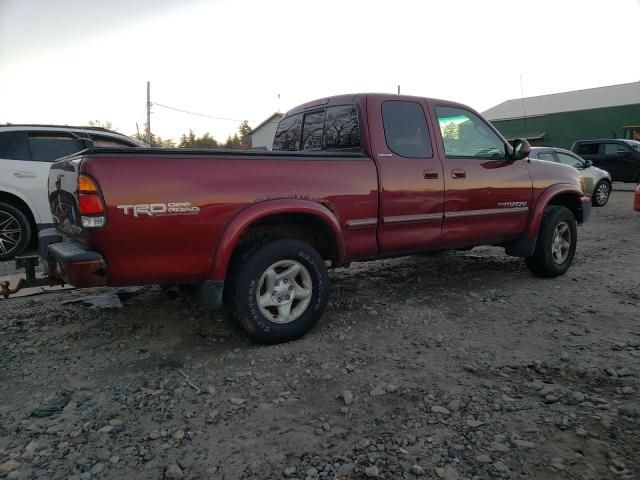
(29, 280)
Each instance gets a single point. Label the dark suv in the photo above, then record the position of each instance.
(621, 158)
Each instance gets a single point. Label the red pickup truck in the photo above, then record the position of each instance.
(351, 178)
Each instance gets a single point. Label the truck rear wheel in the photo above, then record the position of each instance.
(15, 231)
(556, 243)
(277, 290)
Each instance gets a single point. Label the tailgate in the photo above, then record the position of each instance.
(63, 195)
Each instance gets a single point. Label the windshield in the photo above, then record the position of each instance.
(633, 144)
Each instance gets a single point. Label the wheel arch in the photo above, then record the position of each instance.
(22, 203)
(566, 195)
(300, 219)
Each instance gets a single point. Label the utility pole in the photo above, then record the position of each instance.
(148, 113)
(524, 110)
(398, 89)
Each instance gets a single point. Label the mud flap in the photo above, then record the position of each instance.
(210, 294)
(520, 247)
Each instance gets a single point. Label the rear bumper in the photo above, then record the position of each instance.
(70, 261)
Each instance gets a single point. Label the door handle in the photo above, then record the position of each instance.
(429, 175)
(458, 173)
(24, 174)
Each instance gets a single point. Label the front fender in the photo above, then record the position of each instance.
(257, 211)
(545, 199)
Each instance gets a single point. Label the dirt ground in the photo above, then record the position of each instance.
(454, 366)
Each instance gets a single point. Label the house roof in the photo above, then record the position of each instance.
(273, 118)
(601, 97)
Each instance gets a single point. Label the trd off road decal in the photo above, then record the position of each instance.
(159, 209)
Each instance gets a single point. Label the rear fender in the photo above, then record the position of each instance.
(546, 198)
(267, 208)
(11, 192)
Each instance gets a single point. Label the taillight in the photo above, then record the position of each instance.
(90, 203)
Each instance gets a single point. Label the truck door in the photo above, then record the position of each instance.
(487, 195)
(411, 185)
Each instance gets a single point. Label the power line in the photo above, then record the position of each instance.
(199, 114)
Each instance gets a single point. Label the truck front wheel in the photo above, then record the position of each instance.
(556, 243)
(277, 290)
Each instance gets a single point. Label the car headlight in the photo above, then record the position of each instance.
(583, 184)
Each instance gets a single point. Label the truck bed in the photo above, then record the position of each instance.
(178, 246)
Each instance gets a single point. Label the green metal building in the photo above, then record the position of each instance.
(561, 118)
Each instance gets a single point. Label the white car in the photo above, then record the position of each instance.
(26, 152)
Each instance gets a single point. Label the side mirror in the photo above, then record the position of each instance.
(521, 149)
(588, 163)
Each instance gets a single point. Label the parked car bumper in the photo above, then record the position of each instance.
(71, 261)
(585, 207)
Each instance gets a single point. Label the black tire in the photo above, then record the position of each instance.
(543, 262)
(13, 243)
(243, 281)
(605, 186)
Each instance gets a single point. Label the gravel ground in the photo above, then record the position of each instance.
(458, 365)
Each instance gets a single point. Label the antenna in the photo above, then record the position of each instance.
(524, 111)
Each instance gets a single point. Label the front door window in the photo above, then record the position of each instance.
(466, 135)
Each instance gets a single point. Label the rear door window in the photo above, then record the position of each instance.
(5, 141)
(46, 147)
(587, 149)
(341, 128)
(405, 129)
(101, 141)
(18, 149)
(287, 136)
(546, 156)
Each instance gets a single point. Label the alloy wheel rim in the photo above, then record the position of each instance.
(284, 291)
(561, 243)
(10, 232)
(603, 193)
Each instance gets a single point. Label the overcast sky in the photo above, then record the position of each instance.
(71, 61)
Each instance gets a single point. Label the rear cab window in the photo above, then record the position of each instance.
(312, 127)
(405, 129)
(287, 136)
(332, 128)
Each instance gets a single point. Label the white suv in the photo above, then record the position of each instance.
(26, 152)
